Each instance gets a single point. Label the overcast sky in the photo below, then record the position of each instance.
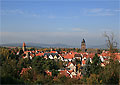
(58, 21)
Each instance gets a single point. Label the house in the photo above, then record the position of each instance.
(83, 62)
(60, 58)
(53, 52)
(72, 66)
(102, 64)
(55, 57)
(68, 57)
(78, 56)
(39, 54)
(101, 58)
(73, 75)
(31, 55)
(51, 57)
(46, 57)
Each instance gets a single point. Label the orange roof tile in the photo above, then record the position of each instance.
(53, 52)
(40, 54)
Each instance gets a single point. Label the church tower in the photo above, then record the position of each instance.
(24, 46)
(83, 46)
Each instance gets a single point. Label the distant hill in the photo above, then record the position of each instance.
(39, 45)
(98, 46)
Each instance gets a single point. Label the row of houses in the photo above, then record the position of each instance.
(70, 57)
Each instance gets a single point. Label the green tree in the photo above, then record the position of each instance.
(111, 73)
(9, 68)
(95, 67)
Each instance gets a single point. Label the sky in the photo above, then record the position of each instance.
(59, 21)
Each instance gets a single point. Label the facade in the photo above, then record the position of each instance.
(83, 46)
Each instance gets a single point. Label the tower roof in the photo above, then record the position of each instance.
(83, 41)
(24, 44)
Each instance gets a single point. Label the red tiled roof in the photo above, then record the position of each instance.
(40, 54)
(53, 52)
(83, 62)
(70, 63)
(69, 56)
(26, 51)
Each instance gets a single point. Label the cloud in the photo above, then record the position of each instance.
(117, 10)
(18, 12)
(35, 15)
(14, 11)
(96, 10)
(79, 30)
(99, 12)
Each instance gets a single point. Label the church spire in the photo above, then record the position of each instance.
(83, 40)
(83, 45)
(24, 46)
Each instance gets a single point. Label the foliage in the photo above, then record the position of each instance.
(11, 66)
(93, 79)
(110, 74)
(10, 80)
(96, 65)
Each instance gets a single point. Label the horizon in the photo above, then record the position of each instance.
(65, 22)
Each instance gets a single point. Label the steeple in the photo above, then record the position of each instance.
(24, 46)
(83, 45)
(83, 41)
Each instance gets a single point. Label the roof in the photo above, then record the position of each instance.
(83, 62)
(40, 54)
(53, 52)
(68, 56)
(70, 71)
(70, 63)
